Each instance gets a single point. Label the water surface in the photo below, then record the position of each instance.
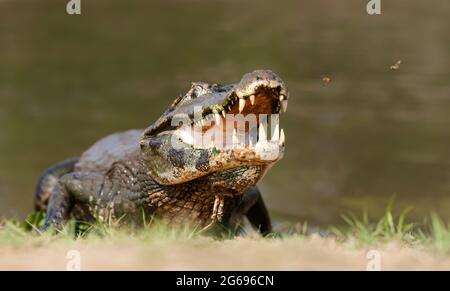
(66, 81)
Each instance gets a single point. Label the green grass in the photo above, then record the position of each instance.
(432, 233)
(357, 232)
(20, 233)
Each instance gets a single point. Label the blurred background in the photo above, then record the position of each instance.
(66, 81)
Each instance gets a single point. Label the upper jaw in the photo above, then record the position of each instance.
(251, 82)
(230, 99)
(252, 85)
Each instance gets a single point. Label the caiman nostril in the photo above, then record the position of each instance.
(143, 144)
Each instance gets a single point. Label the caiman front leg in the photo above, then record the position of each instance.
(217, 213)
(253, 207)
(71, 189)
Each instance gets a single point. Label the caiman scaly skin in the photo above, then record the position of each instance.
(141, 172)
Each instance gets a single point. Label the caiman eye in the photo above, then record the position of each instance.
(197, 90)
(201, 88)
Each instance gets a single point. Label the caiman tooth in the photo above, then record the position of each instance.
(252, 99)
(223, 113)
(199, 122)
(241, 105)
(262, 136)
(276, 133)
(284, 105)
(218, 118)
(282, 137)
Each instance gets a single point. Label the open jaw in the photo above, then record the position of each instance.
(245, 124)
(237, 117)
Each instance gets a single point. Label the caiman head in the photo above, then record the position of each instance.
(219, 131)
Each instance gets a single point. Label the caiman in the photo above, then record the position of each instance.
(164, 172)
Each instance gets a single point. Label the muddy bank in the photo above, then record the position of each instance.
(205, 254)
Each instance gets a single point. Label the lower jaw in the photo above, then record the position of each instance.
(236, 181)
